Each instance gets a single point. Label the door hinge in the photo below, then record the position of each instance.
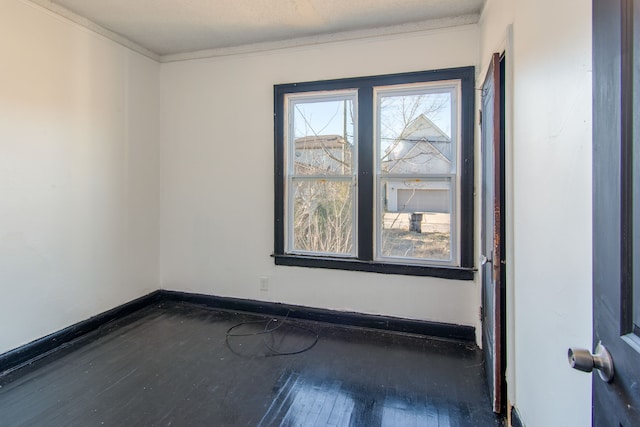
(481, 314)
(479, 117)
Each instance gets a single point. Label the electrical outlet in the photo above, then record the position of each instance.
(264, 283)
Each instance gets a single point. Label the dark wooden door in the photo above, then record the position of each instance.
(492, 233)
(616, 207)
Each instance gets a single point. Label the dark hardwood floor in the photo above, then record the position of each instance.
(171, 364)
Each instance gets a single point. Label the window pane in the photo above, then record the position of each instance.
(415, 133)
(322, 216)
(323, 137)
(416, 219)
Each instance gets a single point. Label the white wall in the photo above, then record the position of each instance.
(78, 174)
(217, 177)
(550, 203)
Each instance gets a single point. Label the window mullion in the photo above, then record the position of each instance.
(366, 173)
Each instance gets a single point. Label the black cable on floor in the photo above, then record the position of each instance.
(268, 331)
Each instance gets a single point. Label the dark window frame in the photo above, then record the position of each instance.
(366, 176)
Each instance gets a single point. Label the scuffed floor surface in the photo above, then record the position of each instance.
(172, 364)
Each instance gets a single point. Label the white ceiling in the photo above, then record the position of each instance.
(170, 27)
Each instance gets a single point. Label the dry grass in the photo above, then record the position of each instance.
(432, 243)
(400, 243)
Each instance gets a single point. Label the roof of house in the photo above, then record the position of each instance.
(421, 145)
(320, 141)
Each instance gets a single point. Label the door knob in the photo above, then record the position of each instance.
(582, 360)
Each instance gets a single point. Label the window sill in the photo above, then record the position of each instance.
(457, 273)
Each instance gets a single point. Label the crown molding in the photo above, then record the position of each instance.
(74, 18)
(379, 32)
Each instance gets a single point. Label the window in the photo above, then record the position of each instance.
(376, 173)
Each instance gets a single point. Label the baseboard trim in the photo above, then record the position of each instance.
(395, 324)
(34, 350)
(516, 421)
(37, 348)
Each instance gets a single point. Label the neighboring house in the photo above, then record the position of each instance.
(322, 154)
(422, 148)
